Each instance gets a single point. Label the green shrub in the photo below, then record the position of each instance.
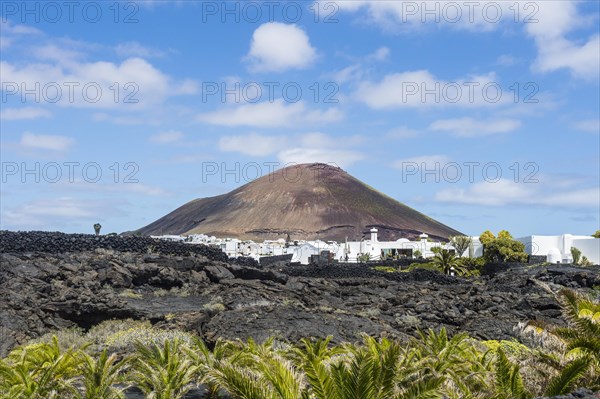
(472, 266)
(126, 340)
(68, 338)
(576, 254)
(504, 250)
(387, 269)
(427, 266)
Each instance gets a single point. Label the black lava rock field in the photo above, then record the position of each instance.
(51, 281)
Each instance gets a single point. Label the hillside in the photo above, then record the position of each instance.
(308, 201)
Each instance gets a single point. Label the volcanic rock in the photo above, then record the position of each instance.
(308, 201)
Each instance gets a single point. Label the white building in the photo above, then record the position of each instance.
(173, 238)
(557, 249)
(554, 248)
(351, 251)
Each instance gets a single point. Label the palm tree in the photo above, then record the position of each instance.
(39, 371)
(100, 375)
(370, 370)
(205, 360)
(312, 358)
(163, 372)
(582, 343)
(445, 260)
(452, 364)
(257, 372)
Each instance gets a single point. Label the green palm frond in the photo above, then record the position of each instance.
(239, 381)
(100, 376)
(163, 371)
(509, 383)
(427, 388)
(282, 376)
(563, 382)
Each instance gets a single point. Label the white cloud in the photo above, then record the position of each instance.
(46, 142)
(252, 144)
(381, 54)
(9, 114)
(507, 192)
(57, 53)
(11, 32)
(135, 49)
(171, 136)
(53, 213)
(318, 139)
(408, 16)
(342, 158)
(270, 114)
(506, 60)
(125, 120)
(421, 89)
(589, 125)
(355, 72)
(5, 42)
(555, 20)
(348, 74)
(104, 188)
(140, 84)
(559, 53)
(547, 22)
(276, 47)
(299, 148)
(469, 127)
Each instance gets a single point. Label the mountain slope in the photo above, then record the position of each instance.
(308, 201)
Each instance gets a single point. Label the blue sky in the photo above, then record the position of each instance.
(483, 115)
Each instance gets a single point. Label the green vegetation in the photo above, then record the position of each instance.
(578, 259)
(576, 254)
(444, 261)
(596, 234)
(387, 269)
(364, 258)
(486, 237)
(460, 244)
(502, 248)
(471, 266)
(431, 365)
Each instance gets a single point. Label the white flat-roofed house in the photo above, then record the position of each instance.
(302, 253)
(351, 251)
(174, 238)
(557, 249)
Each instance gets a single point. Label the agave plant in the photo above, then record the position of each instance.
(163, 372)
